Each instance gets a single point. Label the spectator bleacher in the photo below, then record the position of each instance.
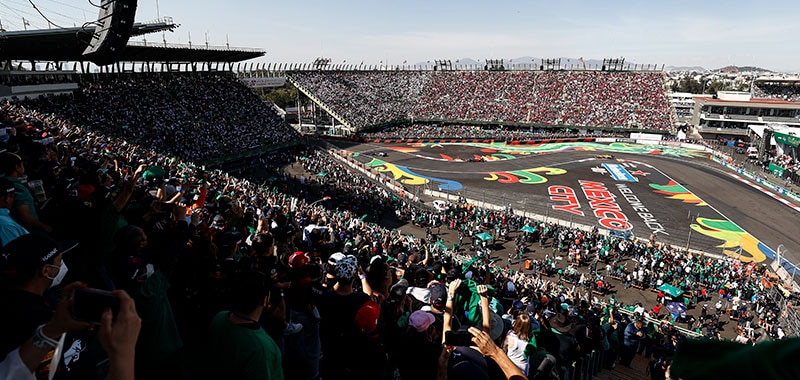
(773, 91)
(575, 98)
(196, 117)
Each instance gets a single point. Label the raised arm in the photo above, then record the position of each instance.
(487, 347)
(448, 307)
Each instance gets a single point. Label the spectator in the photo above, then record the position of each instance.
(12, 168)
(29, 266)
(419, 347)
(237, 345)
(517, 341)
(350, 345)
(9, 228)
(118, 339)
(634, 334)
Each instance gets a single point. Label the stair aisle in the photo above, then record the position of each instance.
(638, 371)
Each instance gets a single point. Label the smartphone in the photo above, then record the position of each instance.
(458, 338)
(88, 304)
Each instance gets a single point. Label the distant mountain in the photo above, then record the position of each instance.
(737, 69)
(697, 69)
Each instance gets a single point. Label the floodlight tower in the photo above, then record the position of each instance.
(613, 64)
(321, 63)
(494, 65)
(442, 64)
(550, 64)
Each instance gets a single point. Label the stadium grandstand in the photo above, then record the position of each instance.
(782, 88)
(596, 99)
(238, 248)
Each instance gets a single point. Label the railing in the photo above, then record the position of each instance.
(649, 319)
(585, 367)
(322, 104)
(202, 46)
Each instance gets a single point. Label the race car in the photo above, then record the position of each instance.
(605, 156)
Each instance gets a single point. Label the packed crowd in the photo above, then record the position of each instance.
(435, 131)
(365, 98)
(231, 278)
(771, 91)
(194, 117)
(623, 99)
(592, 261)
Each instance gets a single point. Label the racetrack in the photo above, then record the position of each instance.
(657, 190)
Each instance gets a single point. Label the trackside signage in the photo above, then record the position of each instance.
(263, 82)
(619, 173)
(790, 140)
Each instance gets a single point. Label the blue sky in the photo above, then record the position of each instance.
(680, 33)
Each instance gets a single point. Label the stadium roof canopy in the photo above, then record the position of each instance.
(68, 44)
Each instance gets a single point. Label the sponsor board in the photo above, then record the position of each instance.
(619, 173)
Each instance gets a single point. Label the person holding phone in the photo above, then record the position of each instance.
(29, 266)
(118, 335)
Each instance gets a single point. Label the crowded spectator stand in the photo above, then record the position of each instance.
(576, 98)
(216, 262)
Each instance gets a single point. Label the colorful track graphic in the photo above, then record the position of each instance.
(499, 151)
(747, 248)
(527, 176)
(407, 177)
(676, 191)
(737, 242)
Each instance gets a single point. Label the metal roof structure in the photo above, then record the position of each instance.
(68, 44)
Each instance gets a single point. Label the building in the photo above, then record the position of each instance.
(683, 104)
(729, 113)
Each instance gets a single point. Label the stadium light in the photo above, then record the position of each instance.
(494, 65)
(442, 64)
(613, 64)
(550, 64)
(321, 63)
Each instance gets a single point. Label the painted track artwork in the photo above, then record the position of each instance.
(500, 151)
(641, 189)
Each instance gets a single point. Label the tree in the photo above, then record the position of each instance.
(690, 85)
(715, 87)
(283, 97)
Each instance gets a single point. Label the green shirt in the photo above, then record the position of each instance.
(240, 352)
(22, 196)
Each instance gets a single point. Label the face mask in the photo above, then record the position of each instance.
(62, 271)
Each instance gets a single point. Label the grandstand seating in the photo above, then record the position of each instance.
(619, 99)
(770, 91)
(195, 117)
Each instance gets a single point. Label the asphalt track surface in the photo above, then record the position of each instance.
(514, 180)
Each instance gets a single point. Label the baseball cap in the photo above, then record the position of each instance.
(298, 259)
(367, 317)
(346, 267)
(218, 221)
(399, 289)
(438, 295)
(334, 258)
(29, 252)
(421, 320)
(497, 326)
(6, 187)
(468, 364)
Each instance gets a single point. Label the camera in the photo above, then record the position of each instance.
(88, 304)
(458, 338)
